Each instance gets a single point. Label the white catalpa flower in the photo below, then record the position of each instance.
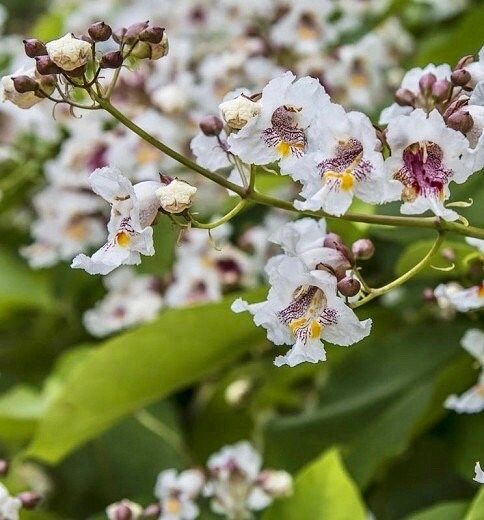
(303, 308)
(463, 300)
(479, 474)
(131, 300)
(9, 506)
(69, 52)
(124, 506)
(23, 100)
(471, 401)
(133, 210)
(176, 493)
(211, 151)
(237, 112)
(176, 196)
(425, 157)
(280, 131)
(346, 164)
(236, 484)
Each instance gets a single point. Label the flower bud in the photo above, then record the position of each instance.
(441, 89)
(86, 38)
(46, 66)
(211, 125)
(100, 32)
(111, 60)
(455, 106)
(460, 77)
(76, 73)
(333, 241)
(152, 512)
(464, 61)
(461, 121)
(363, 249)
(134, 30)
(29, 499)
(4, 467)
(176, 196)
(152, 35)
(118, 36)
(349, 286)
(239, 111)
(24, 84)
(428, 295)
(276, 483)
(426, 82)
(404, 97)
(124, 510)
(69, 52)
(34, 47)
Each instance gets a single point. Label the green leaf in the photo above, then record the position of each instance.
(322, 491)
(139, 367)
(445, 511)
(476, 510)
(415, 252)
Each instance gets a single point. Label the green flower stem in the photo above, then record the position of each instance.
(229, 216)
(374, 293)
(250, 194)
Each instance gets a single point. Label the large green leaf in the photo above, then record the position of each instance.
(137, 368)
(445, 511)
(322, 491)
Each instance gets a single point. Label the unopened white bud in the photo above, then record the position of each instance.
(276, 483)
(176, 196)
(69, 52)
(239, 111)
(25, 100)
(124, 510)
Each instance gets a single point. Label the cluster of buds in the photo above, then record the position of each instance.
(11, 505)
(142, 41)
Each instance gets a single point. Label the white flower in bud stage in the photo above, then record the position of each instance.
(135, 509)
(236, 484)
(133, 210)
(426, 156)
(479, 474)
(463, 300)
(131, 300)
(239, 111)
(69, 52)
(9, 506)
(176, 196)
(471, 401)
(303, 308)
(346, 164)
(23, 100)
(279, 133)
(176, 493)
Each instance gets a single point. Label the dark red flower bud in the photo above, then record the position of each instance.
(100, 32)
(34, 47)
(455, 106)
(349, 286)
(404, 97)
(152, 511)
(461, 121)
(133, 31)
(30, 499)
(76, 73)
(441, 89)
(86, 38)
(426, 82)
(333, 241)
(211, 125)
(4, 467)
(24, 84)
(152, 34)
(118, 36)
(363, 249)
(460, 77)
(46, 66)
(111, 60)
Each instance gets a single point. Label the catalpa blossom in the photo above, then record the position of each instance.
(133, 210)
(464, 300)
(9, 506)
(303, 308)
(237, 485)
(479, 474)
(177, 492)
(426, 156)
(471, 401)
(129, 509)
(279, 133)
(347, 163)
(131, 300)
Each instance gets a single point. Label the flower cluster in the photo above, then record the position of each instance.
(233, 481)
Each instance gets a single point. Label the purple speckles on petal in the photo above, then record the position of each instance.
(285, 133)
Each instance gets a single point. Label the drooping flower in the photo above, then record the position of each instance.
(177, 492)
(279, 133)
(471, 401)
(347, 163)
(425, 157)
(133, 210)
(236, 484)
(303, 308)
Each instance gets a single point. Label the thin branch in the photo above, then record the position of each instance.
(229, 216)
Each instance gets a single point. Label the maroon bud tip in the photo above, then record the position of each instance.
(441, 89)
(30, 499)
(76, 73)
(123, 512)
(211, 125)
(86, 38)
(112, 60)
(46, 66)
(34, 47)
(100, 32)
(152, 35)
(460, 77)
(24, 84)
(363, 249)
(461, 121)
(134, 30)
(118, 36)
(426, 82)
(4, 467)
(349, 286)
(333, 241)
(152, 511)
(404, 97)
(165, 179)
